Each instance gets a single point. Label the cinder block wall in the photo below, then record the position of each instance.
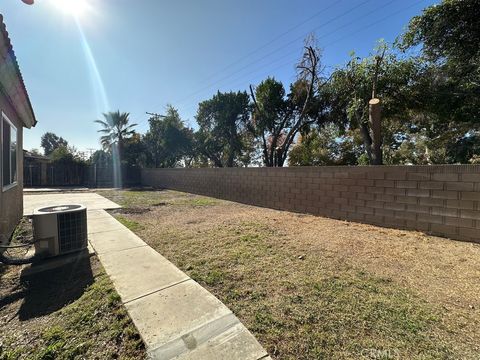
(443, 199)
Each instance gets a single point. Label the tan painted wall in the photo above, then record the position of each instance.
(443, 200)
(11, 200)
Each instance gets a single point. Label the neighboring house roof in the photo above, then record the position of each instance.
(11, 80)
(32, 156)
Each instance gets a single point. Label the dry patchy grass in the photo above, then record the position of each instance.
(310, 287)
(72, 312)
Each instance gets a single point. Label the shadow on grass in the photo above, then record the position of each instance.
(3, 269)
(50, 290)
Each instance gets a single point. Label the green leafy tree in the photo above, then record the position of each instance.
(325, 146)
(279, 117)
(50, 141)
(101, 158)
(429, 96)
(168, 142)
(447, 36)
(383, 75)
(447, 32)
(222, 136)
(134, 151)
(67, 155)
(35, 152)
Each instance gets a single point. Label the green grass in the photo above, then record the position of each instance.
(194, 201)
(96, 325)
(142, 199)
(131, 224)
(130, 198)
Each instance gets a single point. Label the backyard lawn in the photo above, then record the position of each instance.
(310, 287)
(72, 312)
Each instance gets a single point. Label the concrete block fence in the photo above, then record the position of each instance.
(442, 200)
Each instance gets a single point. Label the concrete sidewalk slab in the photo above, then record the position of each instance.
(55, 190)
(114, 240)
(99, 214)
(180, 309)
(232, 344)
(91, 201)
(143, 271)
(101, 224)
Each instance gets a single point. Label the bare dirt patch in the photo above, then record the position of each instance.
(310, 287)
(131, 210)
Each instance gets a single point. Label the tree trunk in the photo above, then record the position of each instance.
(230, 159)
(375, 120)
(367, 140)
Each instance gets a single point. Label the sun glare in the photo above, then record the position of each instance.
(72, 7)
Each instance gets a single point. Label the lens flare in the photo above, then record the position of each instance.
(101, 100)
(76, 8)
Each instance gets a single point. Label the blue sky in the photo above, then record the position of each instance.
(139, 55)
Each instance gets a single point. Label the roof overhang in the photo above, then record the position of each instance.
(11, 80)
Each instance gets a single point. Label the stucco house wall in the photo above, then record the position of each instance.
(11, 199)
(16, 107)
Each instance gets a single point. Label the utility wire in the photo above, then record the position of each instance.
(262, 47)
(275, 51)
(355, 32)
(294, 41)
(289, 55)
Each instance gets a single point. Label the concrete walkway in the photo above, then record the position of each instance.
(91, 201)
(176, 317)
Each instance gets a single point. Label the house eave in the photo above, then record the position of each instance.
(11, 80)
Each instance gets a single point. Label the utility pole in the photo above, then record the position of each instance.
(155, 115)
(90, 152)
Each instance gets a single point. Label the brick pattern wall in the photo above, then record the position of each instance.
(442, 200)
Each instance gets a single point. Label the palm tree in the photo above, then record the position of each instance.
(115, 129)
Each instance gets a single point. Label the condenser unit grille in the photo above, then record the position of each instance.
(72, 231)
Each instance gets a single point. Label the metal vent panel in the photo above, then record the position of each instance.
(72, 231)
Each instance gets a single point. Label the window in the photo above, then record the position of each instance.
(9, 153)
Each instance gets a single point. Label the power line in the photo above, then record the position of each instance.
(262, 47)
(152, 114)
(338, 39)
(282, 47)
(328, 44)
(276, 50)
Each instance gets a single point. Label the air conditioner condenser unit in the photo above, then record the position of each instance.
(60, 229)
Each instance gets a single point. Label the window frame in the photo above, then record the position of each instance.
(4, 119)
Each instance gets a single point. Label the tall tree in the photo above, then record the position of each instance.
(168, 141)
(101, 158)
(67, 155)
(383, 75)
(116, 129)
(222, 136)
(448, 32)
(279, 117)
(430, 100)
(448, 35)
(134, 150)
(49, 142)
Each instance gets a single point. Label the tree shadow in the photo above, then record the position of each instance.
(50, 290)
(3, 269)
